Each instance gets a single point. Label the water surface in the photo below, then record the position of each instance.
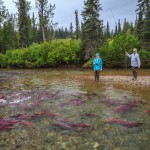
(56, 109)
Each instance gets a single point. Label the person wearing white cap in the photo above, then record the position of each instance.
(97, 66)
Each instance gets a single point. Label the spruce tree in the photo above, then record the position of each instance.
(8, 34)
(92, 27)
(146, 31)
(71, 31)
(108, 30)
(34, 29)
(77, 31)
(139, 24)
(3, 15)
(116, 30)
(143, 23)
(119, 26)
(46, 14)
(127, 27)
(23, 7)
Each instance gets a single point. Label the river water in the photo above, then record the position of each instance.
(62, 109)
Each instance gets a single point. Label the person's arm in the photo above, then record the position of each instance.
(128, 55)
(138, 60)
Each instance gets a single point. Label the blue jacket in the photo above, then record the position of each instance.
(97, 64)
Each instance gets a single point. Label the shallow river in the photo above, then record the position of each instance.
(51, 109)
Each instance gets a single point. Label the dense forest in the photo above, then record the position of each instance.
(28, 41)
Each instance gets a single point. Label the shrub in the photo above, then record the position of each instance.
(56, 52)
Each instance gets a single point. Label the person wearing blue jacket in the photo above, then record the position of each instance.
(135, 62)
(97, 66)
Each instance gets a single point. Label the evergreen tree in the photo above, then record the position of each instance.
(92, 28)
(46, 14)
(8, 34)
(71, 31)
(116, 30)
(66, 32)
(23, 7)
(132, 28)
(77, 32)
(143, 24)
(119, 26)
(146, 31)
(3, 12)
(139, 24)
(3, 15)
(127, 27)
(112, 33)
(34, 29)
(107, 30)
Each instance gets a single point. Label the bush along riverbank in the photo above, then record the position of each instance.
(54, 53)
(67, 52)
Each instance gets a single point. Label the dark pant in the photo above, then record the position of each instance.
(96, 75)
(134, 71)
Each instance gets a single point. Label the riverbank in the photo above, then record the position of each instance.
(122, 77)
(143, 81)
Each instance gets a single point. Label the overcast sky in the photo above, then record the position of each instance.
(64, 13)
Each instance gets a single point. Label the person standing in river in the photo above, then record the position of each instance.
(135, 62)
(97, 66)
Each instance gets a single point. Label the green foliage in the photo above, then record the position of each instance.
(88, 64)
(91, 28)
(64, 52)
(143, 23)
(56, 52)
(113, 51)
(23, 7)
(3, 61)
(145, 57)
(45, 14)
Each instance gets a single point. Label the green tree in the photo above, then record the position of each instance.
(92, 37)
(77, 31)
(23, 7)
(46, 14)
(107, 30)
(127, 27)
(71, 31)
(3, 15)
(8, 34)
(113, 52)
(143, 23)
(146, 29)
(119, 26)
(34, 29)
(116, 30)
